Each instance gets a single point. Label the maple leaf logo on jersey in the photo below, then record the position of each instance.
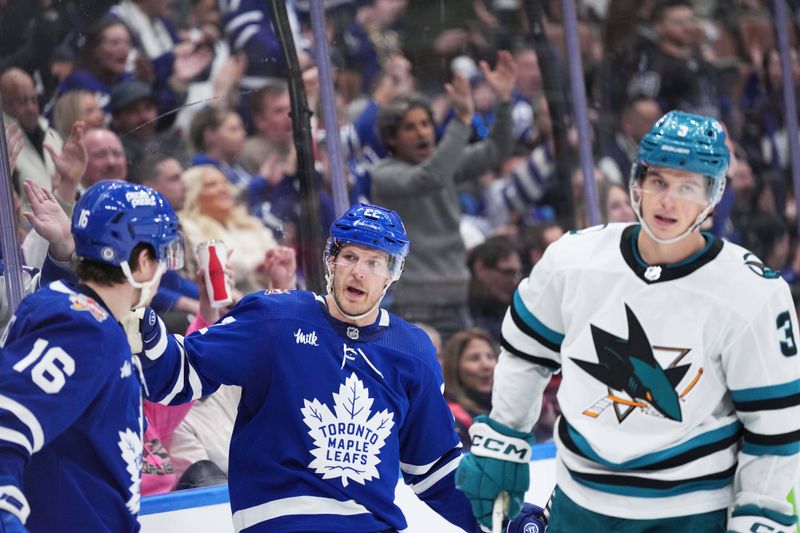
(630, 366)
(348, 440)
(130, 446)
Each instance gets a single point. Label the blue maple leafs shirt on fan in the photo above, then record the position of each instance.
(338, 396)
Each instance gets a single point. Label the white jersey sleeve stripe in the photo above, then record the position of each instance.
(436, 476)
(178, 386)
(194, 382)
(156, 351)
(13, 500)
(26, 417)
(9, 435)
(297, 505)
(770, 422)
(417, 470)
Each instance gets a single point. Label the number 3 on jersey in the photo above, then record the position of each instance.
(48, 372)
(788, 345)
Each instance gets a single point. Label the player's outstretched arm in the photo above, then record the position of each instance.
(499, 462)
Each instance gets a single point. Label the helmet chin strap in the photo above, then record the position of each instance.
(144, 286)
(699, 220)
(329, 288)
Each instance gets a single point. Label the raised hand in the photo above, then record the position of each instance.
(504, 76)
(280, 264)
(226, 81)
(49, 220)
(70, 163)
(460, 95)
(190, 61)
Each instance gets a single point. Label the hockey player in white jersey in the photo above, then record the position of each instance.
(680, 394)
(70, 390)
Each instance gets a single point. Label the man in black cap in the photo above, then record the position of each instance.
(135, 120)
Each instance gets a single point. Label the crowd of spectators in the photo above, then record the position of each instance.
(444, 116)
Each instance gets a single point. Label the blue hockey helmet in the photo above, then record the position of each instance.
(685, 141)
(112, 217)
(371, 226)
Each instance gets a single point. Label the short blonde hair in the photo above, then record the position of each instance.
(67, 110)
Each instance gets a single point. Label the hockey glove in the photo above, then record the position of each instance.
(529, 520)
(9, 523)
(498, 462)
(755, 518)
(153, 334)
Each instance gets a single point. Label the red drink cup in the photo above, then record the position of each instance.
(212, 257)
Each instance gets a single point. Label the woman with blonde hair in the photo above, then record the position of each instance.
(211, 213)
(76, 105)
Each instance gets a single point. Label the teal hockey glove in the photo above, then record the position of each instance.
(498, 462)
(754, 518)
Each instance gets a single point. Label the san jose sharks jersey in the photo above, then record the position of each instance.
(329, 417)
(680, 383)
(70, 415)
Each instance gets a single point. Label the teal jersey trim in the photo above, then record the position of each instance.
(769, 392)
(755, 510)
(689, 260)
(641, 492)
(783, 450)
(534, 323)
(644, 461)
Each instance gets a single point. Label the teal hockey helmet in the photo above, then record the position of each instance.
(688, 142)
(685, 141)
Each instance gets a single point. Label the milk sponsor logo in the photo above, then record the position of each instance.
(347, 440)
(306, 338)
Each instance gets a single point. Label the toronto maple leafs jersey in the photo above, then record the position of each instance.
(70, 415)
(330, 414)
(681, 382)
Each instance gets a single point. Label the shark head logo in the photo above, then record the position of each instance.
(629, 366)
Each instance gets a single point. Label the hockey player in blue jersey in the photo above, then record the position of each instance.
(70, 390)
(338, 395)
(680, 394)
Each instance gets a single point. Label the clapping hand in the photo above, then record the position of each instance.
(70, 163)
(460, 95)
(280, 264)
(49, 220)
(504, 76)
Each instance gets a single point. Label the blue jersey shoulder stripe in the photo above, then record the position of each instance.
(551, 338)
(770, 392)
